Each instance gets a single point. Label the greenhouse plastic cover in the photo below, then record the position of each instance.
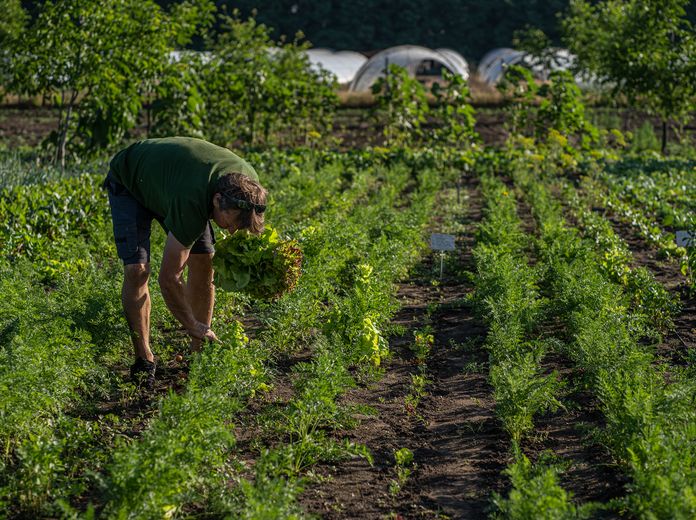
(455, 58)
(342, 64)
(409, 57)
(493, 64)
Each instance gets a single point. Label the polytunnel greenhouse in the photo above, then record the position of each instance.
(493, 65)
(457, 59)
(418, 61)
(342, 64)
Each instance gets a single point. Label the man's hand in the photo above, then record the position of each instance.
(202, 332)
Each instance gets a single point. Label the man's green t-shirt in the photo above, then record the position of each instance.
(175, 178)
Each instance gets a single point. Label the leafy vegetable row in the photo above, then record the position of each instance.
(650, 424)
(508, 296)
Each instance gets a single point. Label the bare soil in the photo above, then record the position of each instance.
(463, 449)
(26, 126)
(29, 125)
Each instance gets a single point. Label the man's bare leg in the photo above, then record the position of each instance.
(200, 290)
(135, 297)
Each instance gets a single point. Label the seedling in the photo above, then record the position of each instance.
(403, 458)
(423, 343)
(418, 384)
(474, 367)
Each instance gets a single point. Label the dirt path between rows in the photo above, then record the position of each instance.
(459, 447)
(463, 449)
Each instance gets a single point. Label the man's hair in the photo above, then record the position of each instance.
(234, 187)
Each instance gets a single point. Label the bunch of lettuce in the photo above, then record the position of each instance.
(263, 266)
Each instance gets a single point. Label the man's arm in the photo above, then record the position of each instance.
(173, 288)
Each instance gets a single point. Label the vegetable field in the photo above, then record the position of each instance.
(547, 374)
(543, 369)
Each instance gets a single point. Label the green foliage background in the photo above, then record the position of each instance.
(471, 27)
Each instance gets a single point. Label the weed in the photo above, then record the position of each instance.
(423, 341)
(474, 367)
(403, 466)
(416, 391)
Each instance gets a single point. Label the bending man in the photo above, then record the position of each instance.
(182, 183)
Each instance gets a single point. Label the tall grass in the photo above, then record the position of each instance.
(22, 168)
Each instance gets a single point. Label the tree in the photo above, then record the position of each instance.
(14, 20)
(519, 89)
(237, 78)
(97, 59)
(401, 104)
(454, 125)
(642, 48)
(561, 109)
(261, 90)
(179, 105)
(455, 115)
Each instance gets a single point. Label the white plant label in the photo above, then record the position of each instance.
(686, 238)
(442, 242)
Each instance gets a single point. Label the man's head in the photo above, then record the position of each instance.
(239, 203)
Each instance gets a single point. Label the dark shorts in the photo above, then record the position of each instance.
(132, 225)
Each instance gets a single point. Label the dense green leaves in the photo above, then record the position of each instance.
(96, 59)
(401, 106)
(455, 115)
(14, 18)
(261, 91)
(642, 48)
(263, 266)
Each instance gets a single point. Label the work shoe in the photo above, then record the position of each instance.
(143, 373)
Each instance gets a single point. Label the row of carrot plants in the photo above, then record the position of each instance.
(616, 260)
(182, 459)
(507, 294)
(650, 424)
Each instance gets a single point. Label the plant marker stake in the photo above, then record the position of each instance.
(681, 339)
(442, 242)
(686, 238)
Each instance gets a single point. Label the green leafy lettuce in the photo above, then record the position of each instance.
(263, 266)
